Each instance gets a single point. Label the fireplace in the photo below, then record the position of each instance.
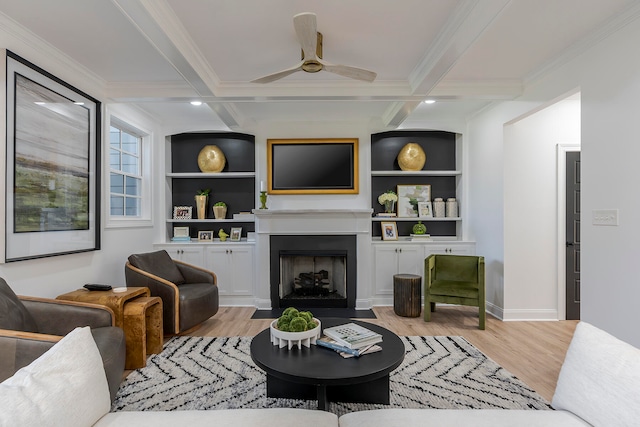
(313, 271)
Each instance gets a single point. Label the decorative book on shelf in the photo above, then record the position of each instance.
(346, 352)
(353, 336)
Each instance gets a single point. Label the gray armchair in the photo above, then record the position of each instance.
(30, 326)
(189, 293)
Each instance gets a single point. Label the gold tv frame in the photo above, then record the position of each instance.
(354, 189)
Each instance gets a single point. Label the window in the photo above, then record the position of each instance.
(125, 180)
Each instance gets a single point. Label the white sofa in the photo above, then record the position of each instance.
(599, 385)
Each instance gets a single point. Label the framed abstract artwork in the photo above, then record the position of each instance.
(52, 191)
(408, 198)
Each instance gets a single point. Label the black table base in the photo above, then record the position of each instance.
(375, 391)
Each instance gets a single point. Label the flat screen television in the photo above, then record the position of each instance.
(312, 166)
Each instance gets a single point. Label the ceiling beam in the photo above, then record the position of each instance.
(157, 23)
(470, 19)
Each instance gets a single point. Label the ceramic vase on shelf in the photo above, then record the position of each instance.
(438, 207)
(201, 206)
(452, 207)
(411, 157)
(219, 212)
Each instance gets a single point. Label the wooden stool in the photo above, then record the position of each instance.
(142, 330)
(406, 295)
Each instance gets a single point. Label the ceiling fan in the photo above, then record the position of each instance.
(312, 62)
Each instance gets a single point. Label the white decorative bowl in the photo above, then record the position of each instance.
(290, 339)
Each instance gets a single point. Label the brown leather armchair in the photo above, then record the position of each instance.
(30, 326)
(189, 294)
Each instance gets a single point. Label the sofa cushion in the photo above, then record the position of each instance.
(13, 314)
(65, 386)
(460, 417)
(272, 417)
(158, 263)
(600, 379)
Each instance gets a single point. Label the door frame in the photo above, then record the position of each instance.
(561, 155)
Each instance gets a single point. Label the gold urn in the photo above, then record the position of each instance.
(211, 159)
(411, 157)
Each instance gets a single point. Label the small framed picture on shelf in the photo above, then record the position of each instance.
(236, 233)
(408, 198)
(182, 212)
(180, 231)
(425, 210)
(389, 230)
(205, 236)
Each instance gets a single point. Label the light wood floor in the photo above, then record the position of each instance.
(532, 351)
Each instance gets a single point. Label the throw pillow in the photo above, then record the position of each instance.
(600, 379)
(13, 314)
(67, 385)
(159, 264)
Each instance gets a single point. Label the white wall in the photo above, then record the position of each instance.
(531, 207)
(52, 276)
(608, 76)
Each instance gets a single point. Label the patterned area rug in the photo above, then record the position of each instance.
(218, 373)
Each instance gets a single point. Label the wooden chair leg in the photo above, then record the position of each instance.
(433, 307)
(427, 311)
(483, 316)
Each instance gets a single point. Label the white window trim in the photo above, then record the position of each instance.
(146, 154)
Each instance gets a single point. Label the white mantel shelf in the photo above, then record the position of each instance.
(313, 221)
(296, 212)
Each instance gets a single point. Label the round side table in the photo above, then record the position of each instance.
(407, 294)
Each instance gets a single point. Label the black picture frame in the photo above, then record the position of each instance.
(312, 166)
(52, 182)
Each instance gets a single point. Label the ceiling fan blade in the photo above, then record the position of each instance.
(306, 29)
(280, 74)
(351, 72)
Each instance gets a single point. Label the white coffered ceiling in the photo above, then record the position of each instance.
(160, 54)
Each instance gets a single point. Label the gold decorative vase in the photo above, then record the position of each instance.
(412, 157)
(219, 212)
(211, 159)
(201, 206)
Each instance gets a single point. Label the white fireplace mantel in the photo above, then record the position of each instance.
(313, 221)
(307, 222)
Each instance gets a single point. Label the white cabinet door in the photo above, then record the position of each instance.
(233, 266)
(186, 253)
(393, 259)
(385, 264)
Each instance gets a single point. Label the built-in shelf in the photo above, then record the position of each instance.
(393, 218)
(211, 175)
(416, 173)
(174, 221)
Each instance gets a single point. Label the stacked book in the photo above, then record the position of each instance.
(419, 237)
(350, 340)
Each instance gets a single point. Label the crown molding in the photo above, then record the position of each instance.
(610, 27)
(32, 48)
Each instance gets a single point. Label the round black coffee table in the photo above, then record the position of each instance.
(321, 373)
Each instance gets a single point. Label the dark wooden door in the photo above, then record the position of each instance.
(573, 236)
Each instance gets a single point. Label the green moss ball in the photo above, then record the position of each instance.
(297, 324)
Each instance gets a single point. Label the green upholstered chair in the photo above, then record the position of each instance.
(454, 279)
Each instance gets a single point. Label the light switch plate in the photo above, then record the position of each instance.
(605, 217)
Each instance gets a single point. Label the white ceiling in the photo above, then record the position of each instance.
(160, 54)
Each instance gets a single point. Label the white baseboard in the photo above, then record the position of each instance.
(543, 315)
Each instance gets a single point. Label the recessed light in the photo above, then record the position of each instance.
(79, 103)
(40, 103)
(429, 101)
(196, 102)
